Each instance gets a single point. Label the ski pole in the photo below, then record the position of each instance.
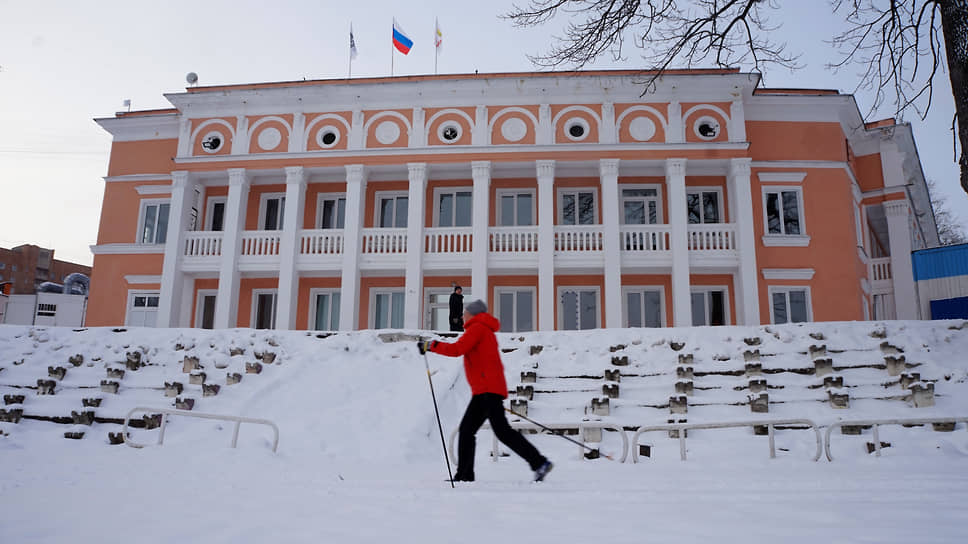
(439, 426)
(556, 433)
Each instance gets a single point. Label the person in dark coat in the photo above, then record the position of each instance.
(485, 375)
(457, 310)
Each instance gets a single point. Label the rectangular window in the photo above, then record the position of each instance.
(643, 307)
(273, 211)
(438, 310)
(640, 206)
(709, 307)
(263, 309)
(332, 212)
(703, 206)
(388, 310)
(783, 212)
(515, 309)
(46, 310)
(154, 224)
(393, 211)
(516, 209)
(454, 209)
(790, 305)
(578, 308)
(142, 309)
(578, 208)
(207, 316)
(326, 310)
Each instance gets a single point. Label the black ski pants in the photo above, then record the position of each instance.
(490, 407)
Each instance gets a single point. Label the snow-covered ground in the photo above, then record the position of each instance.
(360, 458)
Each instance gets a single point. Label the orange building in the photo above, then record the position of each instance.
(566, 200)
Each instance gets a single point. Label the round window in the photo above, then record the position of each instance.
(212, 142)
(576, 129)
(449, 132)
(707, 127)
(327, 136)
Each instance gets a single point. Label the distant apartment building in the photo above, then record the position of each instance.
(568, 200)
(28, 266)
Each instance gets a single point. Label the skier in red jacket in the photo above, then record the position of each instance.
(485, 375)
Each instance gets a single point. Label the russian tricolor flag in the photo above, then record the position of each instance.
(400, 39)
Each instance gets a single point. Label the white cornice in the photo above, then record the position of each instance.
(137, 128)
(781, 177)
(153, 189)
(788, 273)
(142, 279)
(138, 177)
(785, 240)
(128, 249)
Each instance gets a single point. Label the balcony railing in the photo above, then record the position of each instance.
(384, 241)
(712, 237)
(321, 242)
(645, 238)
(513, 239)
(579, 238)
(203, 244)
(880, 269)
(261, 243)
(448, 240)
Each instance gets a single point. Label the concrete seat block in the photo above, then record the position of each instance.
(173, 389)
(232, 378)
(613, 375)
(529, 376)
(196, 378)
(610, 390)
(525, 391)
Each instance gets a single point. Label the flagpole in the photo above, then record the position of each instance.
(436, 47)
(349, 74)
(391, 51)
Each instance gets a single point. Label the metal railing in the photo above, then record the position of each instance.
(165, 412)
(683, 427)
(875, 423)
(523, 425)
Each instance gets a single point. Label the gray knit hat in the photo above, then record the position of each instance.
(475, 307)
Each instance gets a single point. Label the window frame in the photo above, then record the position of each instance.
(129, 305)
(320, 199)
(253, 311)
(200, 295)
(719, 203)
(142, 213)
(371, 314)
(508, 191)
(706, 289)
(313, 301)
(378, 198)
(659, 218)
(781, 239)
(560, 321)
(263, 204)
(560, 198)
(439, 192)
(785, 289)
(430, 306)
(641, 289)
(210, 211)
(510, 289)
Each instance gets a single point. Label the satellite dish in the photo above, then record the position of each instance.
(191, 78)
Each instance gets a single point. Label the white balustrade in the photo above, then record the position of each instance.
(581, 238)
(513, 239)
(880, 269)
(448, 240)
(645, 238)
(203, 244)
(712, 237)
(321, 242)
(261, 243)
(384, 241)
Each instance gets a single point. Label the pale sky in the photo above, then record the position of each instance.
(63, 63)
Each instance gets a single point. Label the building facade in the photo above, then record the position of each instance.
(565, 200)
(28, 266)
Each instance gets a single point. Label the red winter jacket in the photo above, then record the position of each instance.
(482, 360)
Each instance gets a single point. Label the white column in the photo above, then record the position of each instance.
(356, 132)
(545, 134)
(608, 172)
(737, 121)
(349, 310)
(607, 133)
(227, 300)
(172, 277)
(899, 232)
(418, 135)
(416, 202)
(480, 135)
(184, 137)
(481, 172)
(240, 142)
(287, 299)
(297, 140)
(546, 245)
(678, 223)
(741, 212)
(674, 131)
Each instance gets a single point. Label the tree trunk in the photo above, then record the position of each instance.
(954, 22)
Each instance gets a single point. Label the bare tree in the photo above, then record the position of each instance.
(950, 230)
(898, 43)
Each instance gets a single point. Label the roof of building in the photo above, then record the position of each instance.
(940, 262)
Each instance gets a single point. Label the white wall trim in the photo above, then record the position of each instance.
(125, 249)
(139, 279)
(781, 177)
(788, 273)
(784, 240)
(153, 189)
(138, 177)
